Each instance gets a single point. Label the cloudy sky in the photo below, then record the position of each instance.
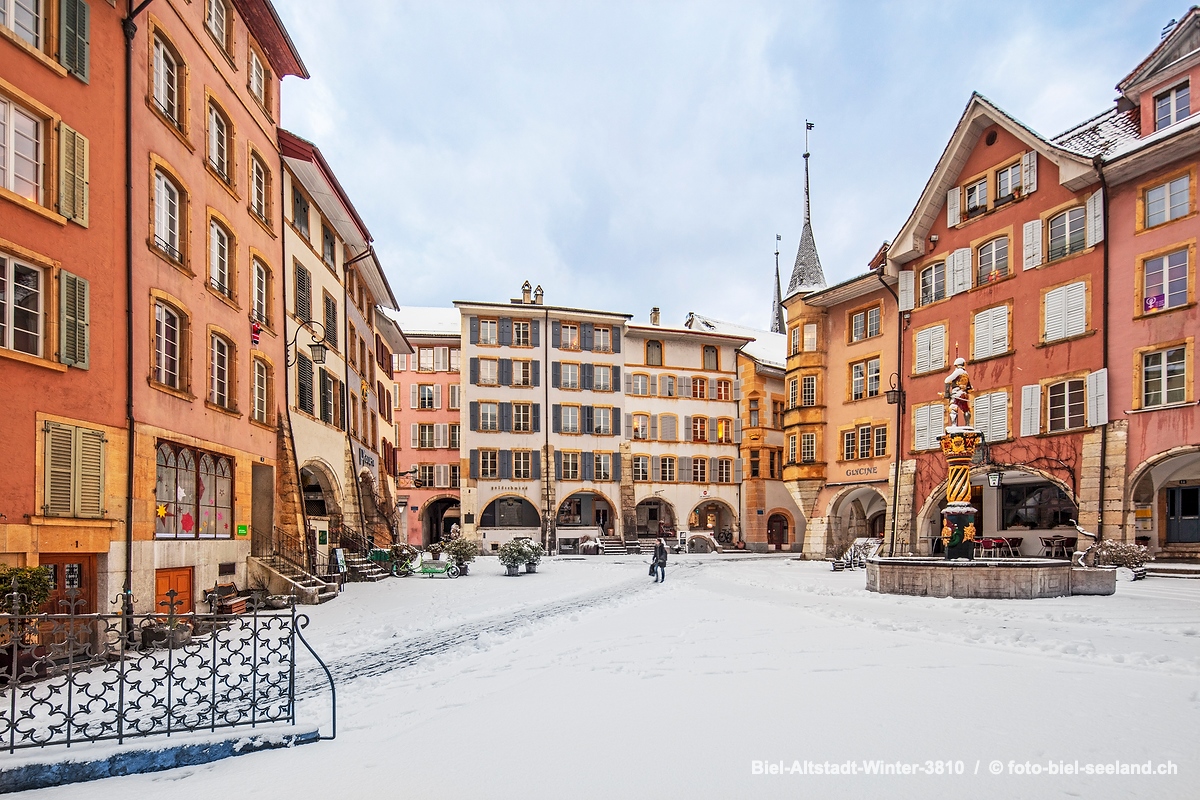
(625, 155)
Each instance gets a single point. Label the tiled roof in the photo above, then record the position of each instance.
(1101, 134)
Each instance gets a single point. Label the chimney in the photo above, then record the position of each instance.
(537, 295)
(654, 316)
(525, 291)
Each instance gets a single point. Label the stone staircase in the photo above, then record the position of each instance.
(286, 578)
(612, 545)
(364, 570)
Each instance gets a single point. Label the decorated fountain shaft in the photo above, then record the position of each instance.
(958, 447)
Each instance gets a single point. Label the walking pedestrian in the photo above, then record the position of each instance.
(660, 561)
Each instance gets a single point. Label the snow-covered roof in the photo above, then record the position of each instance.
(427, 320)
(767, 348)
(1101, 134)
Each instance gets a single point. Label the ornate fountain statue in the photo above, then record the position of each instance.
(958, 446)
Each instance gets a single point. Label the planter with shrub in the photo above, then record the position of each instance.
(512, 555)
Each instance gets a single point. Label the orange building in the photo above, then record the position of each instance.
(62, 264)
(208, 315)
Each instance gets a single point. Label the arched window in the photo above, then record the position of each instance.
(993, 261)
(261, 410)
(168, 211)
(933, 283)
(219, 145)
(166, 518)
(220, 372)
(170, 342)
(1067, 232)
(168, 81)
(260, 189)
(216, 19)
(220, 255)
(261, 277)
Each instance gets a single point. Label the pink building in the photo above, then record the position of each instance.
(427, 418)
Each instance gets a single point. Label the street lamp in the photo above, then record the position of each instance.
(994, 479)
(894, 395)
(318, 346)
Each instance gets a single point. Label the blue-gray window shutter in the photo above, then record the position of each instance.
(506, 372)
(589, 419)
(474, 326)
(616, 467)
(555, 333)
(555, 374)
(536, 415)
(589, 466)
(629, 426)
(556, 418)
(655, 468)
(535, 333)
(505, 331)
(737, 470)
(616, 379)
(587, 335)
(687, 429)
(628, 383)
(654, 386)
(616, 422)
(73, 47)
(535, 465)
(474, 464)
(712, 429)
(587, 376)
(558, 465)
(506, 416)
(685, 469)
(304, 383)
(506, 460)
(473, 414)
(537, 373)
(616, 338)
(342, 411)
(474, 371)
(654, 427)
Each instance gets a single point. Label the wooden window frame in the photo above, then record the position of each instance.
(945, 325)
(231, 372)
(1143, 188)
(1088, 330)
(184, 357)
(1139, 285)
(180, 127)
(158, 164)
(1189, 359)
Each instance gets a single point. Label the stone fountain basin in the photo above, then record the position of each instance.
(985, 578)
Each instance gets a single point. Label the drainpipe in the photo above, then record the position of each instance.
(1099, 162)
(899, 414)
(130, 29)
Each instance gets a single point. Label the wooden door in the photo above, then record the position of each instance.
(777, 530)
(179, 579)
(70, 571)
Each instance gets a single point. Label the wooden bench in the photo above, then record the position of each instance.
(224, 599)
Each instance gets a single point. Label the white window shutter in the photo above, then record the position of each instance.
(982, 346)
(412, 395)
(937, 347)
(1031, 236)
(999, 330)
(921, 357)
(1097, 398)
(998, 427)
(737, 390)
(960, 271)
(437, 395)
(1029, 172)
(441, 358)
(1055, 314)
(1075, 314)
(952, 213)
(1095, 218)
(416, 435)
(1031, 410)
(908, 296)
(981, 416)
(921, 428)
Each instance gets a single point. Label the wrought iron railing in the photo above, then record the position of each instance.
(70, 678)
(354, 541)
(290, 549)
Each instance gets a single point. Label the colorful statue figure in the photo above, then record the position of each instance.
(969, 532)
(958, 393)
(947, 532)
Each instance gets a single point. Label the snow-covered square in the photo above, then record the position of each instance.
(587, 679)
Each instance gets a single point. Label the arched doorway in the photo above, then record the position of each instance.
(583, 515)
(508, 518)
(319, 490)
(437, 518)
(859, 512)
(655, 517)
(712, 516)
(777, 531)
(1166, 500)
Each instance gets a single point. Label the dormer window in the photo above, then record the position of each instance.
(1172, 106)
(976, 194)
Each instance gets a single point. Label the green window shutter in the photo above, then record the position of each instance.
(72, 175)
(89, 471)
(73, 29)
(60, 464)
(74, 320)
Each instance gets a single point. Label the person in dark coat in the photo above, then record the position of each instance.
(660, 561)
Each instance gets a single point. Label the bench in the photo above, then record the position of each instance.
(224, 599)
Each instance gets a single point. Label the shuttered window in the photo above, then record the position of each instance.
(933, 283)
(303, 294)
(1031, 410)
(74, 463)
(990, 333)
(331, 321)
(304, 383)
(990, 416)
(1066, 405)
(929, 422)
(73, 31)
(931, 349)
(72, 175)
(1067, 233)
(1065, 312)
(73, 321)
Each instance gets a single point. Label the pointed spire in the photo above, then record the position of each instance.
(777, 323)
(807, 275)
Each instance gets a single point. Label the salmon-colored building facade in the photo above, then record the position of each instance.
(62, 330)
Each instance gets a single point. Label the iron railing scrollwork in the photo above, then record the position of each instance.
(70, 678)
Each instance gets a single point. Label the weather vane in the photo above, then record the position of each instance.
(808, 126)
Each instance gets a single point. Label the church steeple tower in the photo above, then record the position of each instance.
(777, 322)
(807, 275)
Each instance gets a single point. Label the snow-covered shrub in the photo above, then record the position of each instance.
(1112, 553)
(535, 552)
(513, 553)
(462, 550)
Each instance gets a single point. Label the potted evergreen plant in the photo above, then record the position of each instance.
(512, 555)
(534, 552)
(462, 551)
(20, 639)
